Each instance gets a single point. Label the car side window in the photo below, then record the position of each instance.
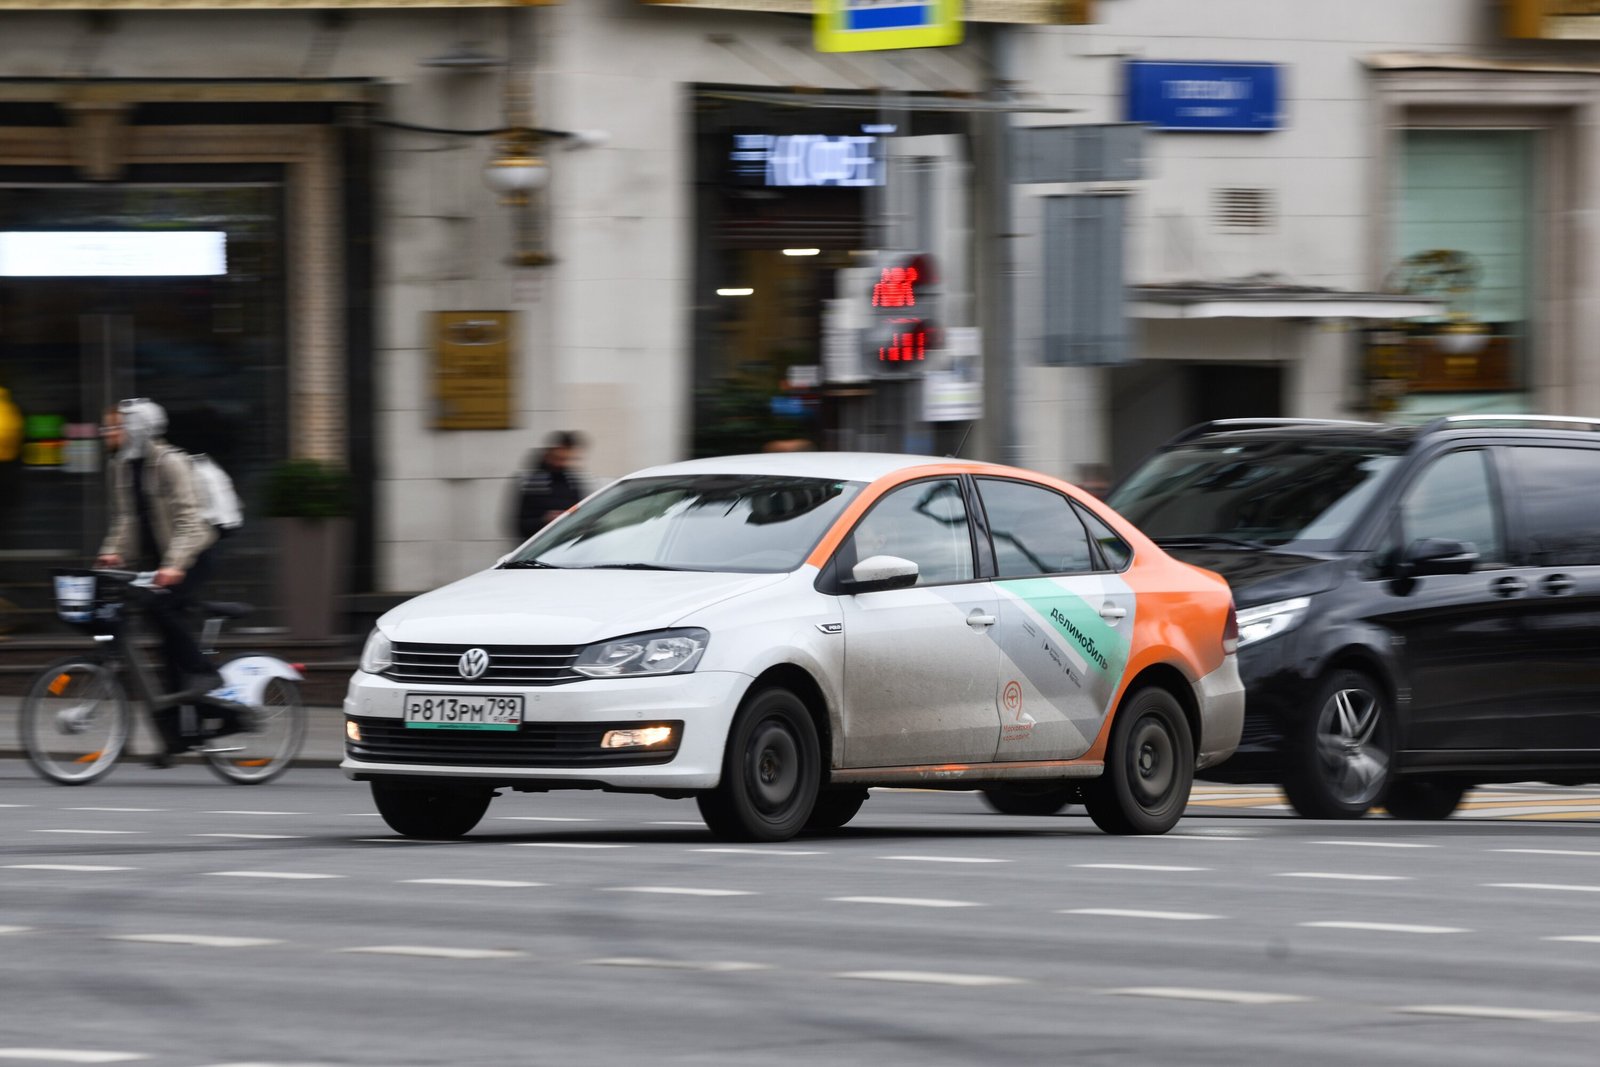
(1113, 549)
(1454, 500)
(1035, 530)
(925, 522)
(1558, 496)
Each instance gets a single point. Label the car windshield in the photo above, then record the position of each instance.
(1266, 493)
(707, 522)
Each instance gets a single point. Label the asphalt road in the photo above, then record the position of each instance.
(168, 918)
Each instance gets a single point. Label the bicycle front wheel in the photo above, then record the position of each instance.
(74, 722)
(269, 741)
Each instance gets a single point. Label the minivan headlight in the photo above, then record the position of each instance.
(377, 655)
(1270, 620)
(662, 652)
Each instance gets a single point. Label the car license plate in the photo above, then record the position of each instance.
(437, 711)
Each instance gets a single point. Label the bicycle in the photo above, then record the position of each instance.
(76, 721)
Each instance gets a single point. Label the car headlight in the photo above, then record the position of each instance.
(1270, 620)
(377, 655)
(663, 652)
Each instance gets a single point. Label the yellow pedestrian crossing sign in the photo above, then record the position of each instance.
(870, 25)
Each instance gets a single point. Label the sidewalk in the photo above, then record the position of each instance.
(324, 745)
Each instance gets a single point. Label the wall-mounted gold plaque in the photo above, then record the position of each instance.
(1570, 20)
(472, 372)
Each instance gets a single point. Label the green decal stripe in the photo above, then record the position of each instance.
(1078, 622)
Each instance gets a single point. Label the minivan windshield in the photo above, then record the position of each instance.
(1259, 494)
(704, 522)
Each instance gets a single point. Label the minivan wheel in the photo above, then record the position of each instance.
(771, 771)
(1341, 762)
(1424, 798)
(1041, 799)
(1149, 768)
(437, 812)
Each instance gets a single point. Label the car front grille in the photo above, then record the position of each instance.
(508, 664)
(533, 744)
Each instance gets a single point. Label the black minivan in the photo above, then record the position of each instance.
(1419, 607)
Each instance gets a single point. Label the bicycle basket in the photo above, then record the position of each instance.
(85, 600)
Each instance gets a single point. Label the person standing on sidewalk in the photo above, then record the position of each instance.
(156, 523)
(549, 486)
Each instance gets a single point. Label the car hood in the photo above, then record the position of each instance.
(561, 607)
(1262, 576)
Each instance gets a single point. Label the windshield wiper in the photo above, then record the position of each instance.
(628, 567)
(1200, 540)
(529, 564)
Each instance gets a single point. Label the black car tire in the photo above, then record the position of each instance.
(1044, 799)
(435, 812)
(1340, 762)
(1149, 767)
(1424, 799)
(834, 808)
(771, 771)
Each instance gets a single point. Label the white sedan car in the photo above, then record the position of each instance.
(774, 634)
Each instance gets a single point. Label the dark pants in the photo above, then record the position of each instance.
(169, 615)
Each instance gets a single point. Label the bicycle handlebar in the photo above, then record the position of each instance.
(136, 579)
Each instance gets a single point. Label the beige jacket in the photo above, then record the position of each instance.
(182, 533)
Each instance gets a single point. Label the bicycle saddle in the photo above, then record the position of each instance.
(225, 609)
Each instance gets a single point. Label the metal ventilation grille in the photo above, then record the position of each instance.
(1244, 210)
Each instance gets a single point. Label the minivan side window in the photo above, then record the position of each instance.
(1035, 530)
(1454, 500)
(1558, 495)
(925, 522)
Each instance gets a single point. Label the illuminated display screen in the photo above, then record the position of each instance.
(112, 254)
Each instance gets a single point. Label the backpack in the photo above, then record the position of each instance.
(219, 502)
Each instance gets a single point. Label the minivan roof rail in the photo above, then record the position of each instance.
(1219, 425)
(1559, 422)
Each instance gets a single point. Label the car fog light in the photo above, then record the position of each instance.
(643, 737)
(352, 729)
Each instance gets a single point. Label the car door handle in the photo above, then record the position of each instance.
(1110, 612)
(979, 620)
(1508, 587)
(1558, 585)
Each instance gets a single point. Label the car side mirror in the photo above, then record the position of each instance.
(881, 572)
(1437, 555)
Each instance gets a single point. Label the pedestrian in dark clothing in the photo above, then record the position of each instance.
(549, 486)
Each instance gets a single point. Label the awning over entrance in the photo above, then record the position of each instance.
(1253, 300)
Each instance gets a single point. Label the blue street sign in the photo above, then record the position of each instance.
(1226, 97)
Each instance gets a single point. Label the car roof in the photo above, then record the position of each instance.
(840, 466)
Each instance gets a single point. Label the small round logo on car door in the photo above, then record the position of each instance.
(474, 661)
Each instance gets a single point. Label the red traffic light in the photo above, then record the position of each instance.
(897, 285)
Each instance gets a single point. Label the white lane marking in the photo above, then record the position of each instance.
(1136, 867)
(943, 859)
(203, 940)
(1588, 939)
(486, 883)
(1473, 1011)
(437, 952)
(735, 851)
(363, 814)
(549, 818)
(930, 978)
(64, 867)
(254, 837)
(16, 805)
(237, 812)
(397, 841)
(291, 875)
(908, 902)
(1130, 913)
(1344, 877)
(1219, 996)
(15, 929)
(676, 822)
(562, 844)
(678, 890)
(1375, 844)
(275, 1063)
(1387, 928)
(1548, 851)
(69, 1055)
(86, 831)
(680, 965)
(1195, 837)
(1543, 885)
(114, 809)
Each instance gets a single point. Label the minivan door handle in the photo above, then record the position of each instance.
(1558, 584)
(1509, 586)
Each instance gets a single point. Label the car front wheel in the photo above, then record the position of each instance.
(1341, 761)
(771, 771)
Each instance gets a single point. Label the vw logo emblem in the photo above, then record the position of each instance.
(474, 661)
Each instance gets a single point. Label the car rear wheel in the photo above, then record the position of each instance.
(437, 812)
(1149, 768)
(1042, 799)
(1424, 798)
(834, 808)
(771, 771)
(1342, 761)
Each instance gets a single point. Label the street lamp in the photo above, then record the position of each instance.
(516, 171)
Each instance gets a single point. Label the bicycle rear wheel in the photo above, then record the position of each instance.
(268, 744)
(74, 722)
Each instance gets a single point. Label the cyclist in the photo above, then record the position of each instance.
(157, 524)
